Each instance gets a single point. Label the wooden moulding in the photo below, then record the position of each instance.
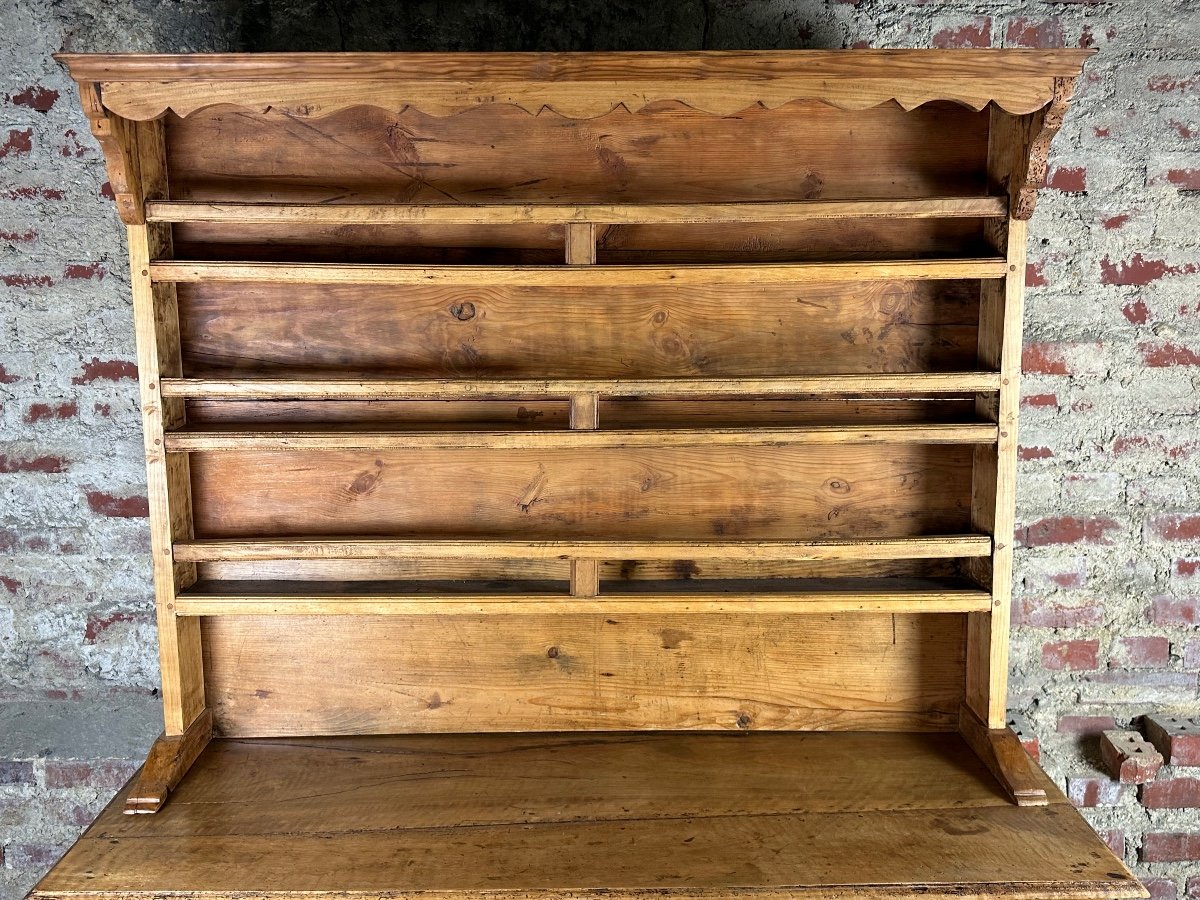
(942, 547)
(1001, 751)
(375, 388)
(555, 213)
(575, 85)
(170, 758)
(239, 439)
(577, 275)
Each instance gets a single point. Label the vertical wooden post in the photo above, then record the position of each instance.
(156, 323)
(585, 408)
(994, 478)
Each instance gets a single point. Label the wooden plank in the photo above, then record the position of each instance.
(156, 325)
(602, 809)
(797, 492)
(554, 214)
(195, 439)
(266, 388)
(582, 276)
(994, 500)
(297, 675)
(949, 546)
(664, 331)
(584, 600)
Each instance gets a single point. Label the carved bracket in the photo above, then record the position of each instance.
(1042, 126)
(115, 136)
(1001, 751)
(168, 761)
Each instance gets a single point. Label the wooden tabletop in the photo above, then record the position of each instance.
(785, 814)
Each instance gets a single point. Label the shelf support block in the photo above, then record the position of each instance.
(1001, 751)
(169, 760)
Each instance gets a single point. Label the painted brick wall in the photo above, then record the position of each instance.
(1108, 568)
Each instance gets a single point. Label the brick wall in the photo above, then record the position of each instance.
(1108, 567)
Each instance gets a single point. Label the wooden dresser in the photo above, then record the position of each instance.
(582, 475)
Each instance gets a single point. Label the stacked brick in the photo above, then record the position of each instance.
(1107, 600)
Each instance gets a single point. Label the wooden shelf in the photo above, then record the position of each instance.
(783, 597)
(937, 547)
(780, 815)
(234, 213)
(266, 387)
(273, 438)
(594, 276)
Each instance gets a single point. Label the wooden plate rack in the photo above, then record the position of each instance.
(582, 474)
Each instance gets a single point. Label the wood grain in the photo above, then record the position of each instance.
(626, 333)
(801, 151)
(784, 492)
(298, 675)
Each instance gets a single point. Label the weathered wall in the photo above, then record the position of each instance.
(1109, 503)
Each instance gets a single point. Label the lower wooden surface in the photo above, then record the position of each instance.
(818, 815)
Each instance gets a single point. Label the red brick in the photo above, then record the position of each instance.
(1171, 611)
(25, 279)
(1184, 130)
(1046, 612)
(1173, 793)
(1040, 401)
(1129, 757)
(49, 465)
(1163, 354)
(976, 34)
(85, 271)
(1044, 359)
(109, 774)
(1075, 655)
(18, 142)
(1191, 654)
(1034, 453)
(98, 624)
(1141, 652)
(1165, 84)
(1156, 443)
(27, 857)
(1022, 32)
(1090, 790)
(106, 191)
(35, 97)
(1175, 526)
(35, 193)
(1057, 530)
(39, 412)
(1159, 888)
(1136, 311)
(1177, 738)
(1114, 222)
(118, 507)
(1068, 180)
(1139, 271)
(1193, 887)
(10, 584)
(105, 370)
(18, 237)
(1184, 179)
(1034, 276)
(1170, 846)
(1115, 839)
(71, 147)
(6, 378)
(16, 771)
(1029, 741)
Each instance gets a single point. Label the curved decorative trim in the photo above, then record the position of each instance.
(142, 101)
(1025, 197)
